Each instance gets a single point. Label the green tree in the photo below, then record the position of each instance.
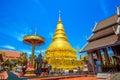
(22, 60)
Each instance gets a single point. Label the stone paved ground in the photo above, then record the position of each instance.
(77, 78)
(81, 78)
(4, 75)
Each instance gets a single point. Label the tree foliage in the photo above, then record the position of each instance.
(22, 60)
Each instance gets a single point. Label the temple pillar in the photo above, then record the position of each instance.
(90, 58)
(99, 56)
(106, 55)
(91, 61)
(99, 61)
(114, 50)
(118, 49)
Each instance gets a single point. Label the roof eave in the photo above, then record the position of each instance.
(95, 27)
(82, 50)
(92, 49)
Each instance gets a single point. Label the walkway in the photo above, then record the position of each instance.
(8, 75)
(3, 75)
(75, 78)
(12, 76)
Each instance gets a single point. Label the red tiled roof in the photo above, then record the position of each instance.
(105, 23)
(102, 33)
(106, 41)
(11, 54)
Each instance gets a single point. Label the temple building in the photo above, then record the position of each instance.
(9, 54)
(60, 53)
(105, 43)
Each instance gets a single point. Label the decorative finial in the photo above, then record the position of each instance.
(78, 49)
(118, 20)
(40, 50)
(114, 29)
(94, 26)
(118, 30)
(35, 30)
(80, 55)
(86, 38)
(59, 18)
(118, 11)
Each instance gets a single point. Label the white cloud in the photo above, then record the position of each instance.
(38, 51)
(77, 48)
(29, 51)
(50, 35)
(27, 30)
(8, 47)
(104, 7)
(26, 51)
(43, 51)
(20, 36)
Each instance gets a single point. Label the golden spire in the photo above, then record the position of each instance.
(60, 40)
(60, 33)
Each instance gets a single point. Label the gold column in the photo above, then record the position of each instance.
(32, 56)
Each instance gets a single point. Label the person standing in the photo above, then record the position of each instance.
(85, 69)
(44, 68)
(98, 66)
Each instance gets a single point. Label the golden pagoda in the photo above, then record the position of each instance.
(60, 53)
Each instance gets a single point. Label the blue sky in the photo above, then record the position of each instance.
(21, 17)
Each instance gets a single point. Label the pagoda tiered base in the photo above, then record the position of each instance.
(29, 72)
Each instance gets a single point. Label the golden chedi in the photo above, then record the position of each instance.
(60, 53)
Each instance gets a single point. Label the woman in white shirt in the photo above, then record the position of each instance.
(85, 70)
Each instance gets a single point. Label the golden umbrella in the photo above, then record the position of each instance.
(33, 40)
